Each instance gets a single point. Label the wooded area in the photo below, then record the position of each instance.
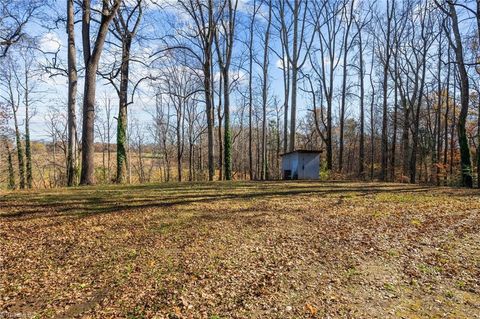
(239, 159)
(219, 89)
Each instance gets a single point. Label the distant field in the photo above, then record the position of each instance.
(241, 250)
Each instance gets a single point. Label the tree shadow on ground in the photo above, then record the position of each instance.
(83, 201)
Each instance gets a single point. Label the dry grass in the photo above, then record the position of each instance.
(241, 250)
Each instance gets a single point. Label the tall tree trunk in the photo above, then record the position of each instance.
(122, 119)
(20, 151)
(220, 125)
(72, 95)
(250, 92)
(91, 59)
(416, 123)
(438, 114)
(210, 119)
(11, 171)
(372, 120)
(454, 123)
(224, 59)
(28, 149)
(286, 87)
(228, 132)
(294, 65)
(466, 165)
(265, 94)
(445, 134)
(88, 150)
(342, 106)
(361, 156)
(478, 143)
(384, 155)
(405, 136)
(394, 136)
(179, 141)
(478, 93)
(344, 85)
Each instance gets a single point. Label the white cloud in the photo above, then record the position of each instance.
(50, 42)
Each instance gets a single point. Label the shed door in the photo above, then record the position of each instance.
(301, 167)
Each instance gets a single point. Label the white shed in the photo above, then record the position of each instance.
(301, 164)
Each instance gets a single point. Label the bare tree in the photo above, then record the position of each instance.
(265, 65)
(297, 39)
(255, 8)
(14, 19)
(347, 44)
(72, 95)
(91, 58)
(324, 61)
(385, 56)
(457, 45)
(224, 40)
(126, 25)
(13, 96)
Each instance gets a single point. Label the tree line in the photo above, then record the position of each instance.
(388, 90)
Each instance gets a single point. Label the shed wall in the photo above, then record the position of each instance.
(300, 165)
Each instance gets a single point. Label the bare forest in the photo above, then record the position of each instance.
(239, 159)
(134, 91)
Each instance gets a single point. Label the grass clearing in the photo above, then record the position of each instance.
(241, 250)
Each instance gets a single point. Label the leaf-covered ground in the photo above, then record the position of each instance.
(241, 250)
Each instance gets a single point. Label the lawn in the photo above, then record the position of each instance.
(241, 250)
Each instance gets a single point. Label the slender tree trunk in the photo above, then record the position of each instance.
(122, 119)
(210, 120)
(294, 65)
(54, 157)
(344, 87)
(250, 92)
(384, 154)
(405, 136)
(191, 164)
(20, 151)
(220, 135)
(72, 95)
(11, 171)
(394, 136)
(91, 59)
(342, 108)
(447, 110)
(88, 150)
(478, 144)
(28, 149)
(224, 59)
(372, 121)
(179, 142)
(454, 123)
(438, 116)
(286, 86)
(361, 156)
(465, 161)
(228, 132)
(265, 94)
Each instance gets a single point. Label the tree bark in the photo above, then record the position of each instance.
(72, 95)
(91, 59)
(265, 94)
(28, 149)
(384, 155)
(465, 161)
(122, 119)
(361, 156)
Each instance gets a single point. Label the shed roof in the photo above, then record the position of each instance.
(303, 152)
